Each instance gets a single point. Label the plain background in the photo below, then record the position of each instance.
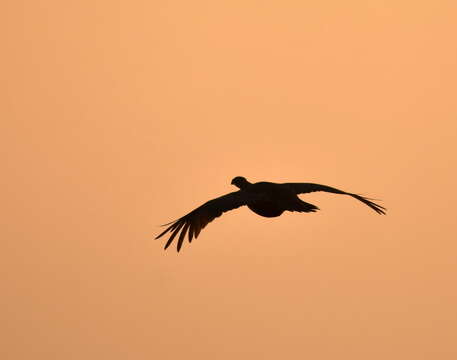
(119, 116)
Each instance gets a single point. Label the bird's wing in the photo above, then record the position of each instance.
(302, 188)
(196, 220)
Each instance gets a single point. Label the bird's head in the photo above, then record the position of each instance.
(240, 182)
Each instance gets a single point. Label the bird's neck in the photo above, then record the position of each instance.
(243, 184)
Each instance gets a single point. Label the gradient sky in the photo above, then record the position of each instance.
(119, 116)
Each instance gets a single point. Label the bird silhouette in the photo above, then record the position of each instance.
(264, 198)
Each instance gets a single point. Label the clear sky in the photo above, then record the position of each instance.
(119, 116)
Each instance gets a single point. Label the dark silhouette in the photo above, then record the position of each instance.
(264, 198)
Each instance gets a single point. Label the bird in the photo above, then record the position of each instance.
(263, 198)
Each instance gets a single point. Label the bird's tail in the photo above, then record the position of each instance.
(303, 206)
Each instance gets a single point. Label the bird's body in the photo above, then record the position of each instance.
(275, 199)
(263, 198)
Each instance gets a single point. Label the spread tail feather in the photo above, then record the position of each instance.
(303, 206)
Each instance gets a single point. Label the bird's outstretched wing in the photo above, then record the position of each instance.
(196, 220)
(302, 188)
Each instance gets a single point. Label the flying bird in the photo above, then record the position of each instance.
(264, 198)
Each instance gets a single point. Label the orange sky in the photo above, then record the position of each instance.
(119, 116)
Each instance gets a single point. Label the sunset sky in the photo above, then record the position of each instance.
(119, 116)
